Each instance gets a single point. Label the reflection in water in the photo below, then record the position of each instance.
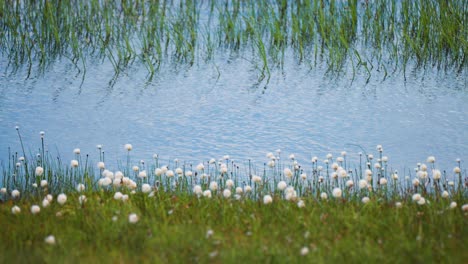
(194, 113)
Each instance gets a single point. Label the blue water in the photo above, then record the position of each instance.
(218, 108)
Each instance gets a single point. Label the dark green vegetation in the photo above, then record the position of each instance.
(377, 35)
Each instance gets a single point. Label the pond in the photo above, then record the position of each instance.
(218, 108)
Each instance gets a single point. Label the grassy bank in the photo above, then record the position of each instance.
(371, 35)
(219, 211)
(174, 228)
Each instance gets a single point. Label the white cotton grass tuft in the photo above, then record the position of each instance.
(301, 204)
(50, 240)
(133, 218)
(15, 210)
(324, 196)
(80, 187)
(101, 165)
(227, 193)
(383, 181)
(15, 194)
(445, 194)
(170, 173)
(431, 159)
(436, 174)
(39, 171)
(256, 179)
(229, 183)
(142, 174)
(213, 186)
(247, 188)
(304, 251)
(362, 184)
(365, 200)
(457, 170)
(118, 196)
(3, 190)
(398, 204)
(45, 203)
(44, 183)
(337, 192)
(288, 173)
(465, 208)
(82, 199)
(239, 190)
(62, 198)
(282, 185)
(128, 147)
(453, 205)
(422, 201)
(74, 163)
(349, 183)
(179, 171)
(35, 209)
(197, 189)
(416, 197)
(207, 194)
(267, 199)
(77, 151)
(188, 173)
(200, 167)
(146, 188)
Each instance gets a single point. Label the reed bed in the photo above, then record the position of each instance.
(381, 35)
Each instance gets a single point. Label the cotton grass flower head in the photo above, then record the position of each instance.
(133, 218)
(282, 185)
(170, 173)
(128, 147)
(45, 203)
(124, 198)
(213, 186)
(271, 163)
(3, 190)
(349, 183)
(465, 208)
(74, 163)
(436, 174)
(340, 159)
(101, 165)
(44, 183)
(365, 200)
(415, 182)
(239, 190)
(39, 171)
(146, 188)
(324, 196)
(77, 151)
(456, 170)
(197, 189)
(15, 194)
(303, 176)
(200, 167)
(422, 174)
(337, 192)
(118, 196)
(362, 184)
(398, 204)
(394, 176)
(256, 179)
(207, 194)
(158, 172)
(35, 209)
(82, 199)
(179, 171)
(229, 183)
(300, 204)
(188, 173)
(80, 187)
(383, 181)
(445, 194)
(422, 201)
(50, 240)
(288, 173)
(416, 197)
(451, 183)
(267, 199)
(34, 185)
(247, 188)
(304, 251)
(227, 193)
(62, 198)
(453, 205)
(142, 174)
(15, 210)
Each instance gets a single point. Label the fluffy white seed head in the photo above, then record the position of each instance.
(430, 159)
(349, 183)
(256, 179)
(158, 172)
(39, 171)
(50, 240)
(3, 190)
(118, 196)
(35, 209)
(247, 188)
(101, 165)
(365, 200)
(445, 194)
(383, 181)
(179, 171)
(282, 185)
(80, 187)
(200, 167)
(398, 204)
(197, 189)
(74, 163)
(416, 197)
(45, 203)
(15, 194)
(267, 199)
(146, 188)
(337, 192)
(465, 208)
(239, 190)
(229, 183)
(44, 183)
(227, 193)
(49, 197)
(453, 205)
(213, 186)
(77, 151)
(288, 173)
(188, 173)
(62, 198)
(133, 218)
(456, 170)
(142, 174)
(362, 184)
(324, 196)
(304, 251)
(421, 201)
(300, 204)
(436, 174)
(15, 210)
(82, 199)
(128, 147)
(207, 194)
(170, 173)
